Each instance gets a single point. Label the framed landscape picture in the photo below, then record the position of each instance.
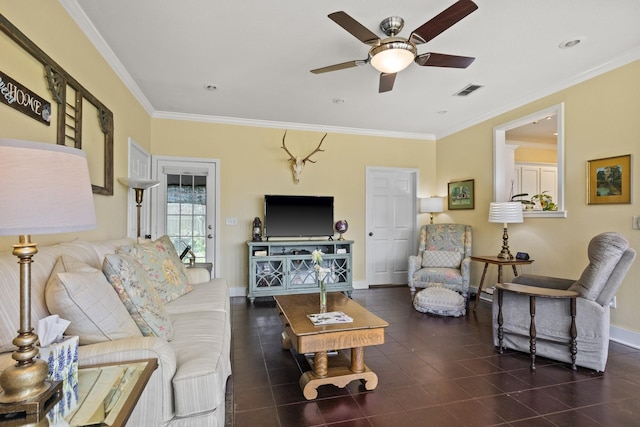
(461, 195)
(609, 180)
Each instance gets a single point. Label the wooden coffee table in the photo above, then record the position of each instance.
(366, 329)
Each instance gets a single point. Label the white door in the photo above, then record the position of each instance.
(391, 224)
(186, 205)
(139, 167)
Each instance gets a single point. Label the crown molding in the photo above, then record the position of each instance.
(289, 125)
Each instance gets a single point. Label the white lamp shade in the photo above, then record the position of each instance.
(141, 183)
(505, 212)
(431, 204)
(44, 189)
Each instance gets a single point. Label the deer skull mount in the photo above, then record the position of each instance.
(297, 162)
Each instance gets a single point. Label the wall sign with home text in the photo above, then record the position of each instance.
(17, 96)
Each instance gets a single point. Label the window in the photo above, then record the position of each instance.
(187, 213)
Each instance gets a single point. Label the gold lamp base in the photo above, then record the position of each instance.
(24, 387)
(33, 408)
(22, 382)
(505, 253)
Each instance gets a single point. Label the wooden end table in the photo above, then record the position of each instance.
(499, 262)
(533, 292)
(366, 329)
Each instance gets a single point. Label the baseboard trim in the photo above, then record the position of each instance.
(360, 285)
(238, 291)
(624, 336)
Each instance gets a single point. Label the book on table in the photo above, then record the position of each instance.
(330, 318)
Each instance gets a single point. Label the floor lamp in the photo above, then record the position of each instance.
(139, 185)
(506, 213)
(431, 205)
(44, 189)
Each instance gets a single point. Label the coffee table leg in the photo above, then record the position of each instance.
(357, 359)
(484, 273)
(532, 331)
(321, 364)
(286, 341)
(500, 321)
(573, 332)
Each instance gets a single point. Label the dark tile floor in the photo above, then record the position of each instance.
(432, 371)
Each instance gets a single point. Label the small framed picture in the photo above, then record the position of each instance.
(461, 195)
(609, 180)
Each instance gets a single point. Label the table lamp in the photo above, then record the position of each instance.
(44, 189)
(431, 205)
(506, 213)
(139, 185)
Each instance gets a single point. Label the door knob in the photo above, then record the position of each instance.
(370, 233)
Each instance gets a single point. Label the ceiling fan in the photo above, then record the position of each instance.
(394, 54)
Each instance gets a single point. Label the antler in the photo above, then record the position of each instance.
(314, 151)
(284, 147)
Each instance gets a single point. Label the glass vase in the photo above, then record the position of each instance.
(323, 297)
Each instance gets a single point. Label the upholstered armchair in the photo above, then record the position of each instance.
(609, 260)
(443, 259)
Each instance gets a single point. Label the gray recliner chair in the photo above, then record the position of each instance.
(609, 260)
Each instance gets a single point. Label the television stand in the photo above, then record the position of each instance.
(286, 267)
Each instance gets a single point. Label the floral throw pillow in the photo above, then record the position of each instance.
(162, 264)
(138, 295)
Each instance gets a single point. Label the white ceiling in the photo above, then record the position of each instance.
(258, 53)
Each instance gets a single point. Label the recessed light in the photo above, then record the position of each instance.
(210, 86)
(571, 43)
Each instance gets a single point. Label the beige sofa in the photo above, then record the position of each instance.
(188, 388)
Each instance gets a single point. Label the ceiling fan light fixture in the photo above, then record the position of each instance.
(393, 56)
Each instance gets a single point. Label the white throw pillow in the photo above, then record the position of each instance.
(442, 259)
(81, 294)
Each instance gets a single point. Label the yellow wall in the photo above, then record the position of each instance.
(601, 120)
(50, 28)
(252, 164)
(536, 155)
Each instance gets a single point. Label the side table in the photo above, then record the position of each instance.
(499, 262)
(533, 292)
(207, 265)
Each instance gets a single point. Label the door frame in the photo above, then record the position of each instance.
(155, 160)
(414, 174)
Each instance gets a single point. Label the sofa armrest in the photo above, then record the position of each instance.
(198, 275)
(415, 263)
(159, 390)
(543, 281)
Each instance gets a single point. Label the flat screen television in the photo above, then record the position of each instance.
(298, 216)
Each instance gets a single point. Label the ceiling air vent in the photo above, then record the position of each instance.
(469, 89)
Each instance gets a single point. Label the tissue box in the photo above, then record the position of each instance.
(67, 404)
(62, 358)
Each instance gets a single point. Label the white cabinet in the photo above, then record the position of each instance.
(534, 178)
(286, 267)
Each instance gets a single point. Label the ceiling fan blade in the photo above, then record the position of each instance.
(442, 21)
(386, 82)
(341, 66)
(356, 29)
(443, 60)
